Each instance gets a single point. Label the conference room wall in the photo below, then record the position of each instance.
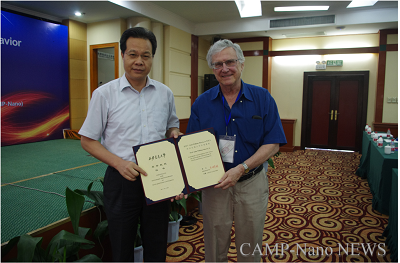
(390, 109)
(287, 78)
(253, 65)
(102, 33)
(203, 67)
(288, 71)
(177, 68)
(78, 94)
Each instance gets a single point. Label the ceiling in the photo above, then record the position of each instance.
(221, 18)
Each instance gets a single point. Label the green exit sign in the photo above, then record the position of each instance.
(334, 63)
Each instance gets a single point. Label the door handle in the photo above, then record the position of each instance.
(331, 114)
(336, 113)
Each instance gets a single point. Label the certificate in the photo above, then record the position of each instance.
(184, 165)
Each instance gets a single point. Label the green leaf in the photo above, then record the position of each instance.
(174, 216)
(89, 258)
(75, 203)
(101, 230)
(182, 203)
(196, 195)
(7, 248)
(26, 247)
(83, 231)
(64, 238)
(67, 251)
(271, 163)
(138, 239)
(40, 254)
(96, 196)
(65, 255)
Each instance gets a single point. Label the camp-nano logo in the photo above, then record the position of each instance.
(11, 42)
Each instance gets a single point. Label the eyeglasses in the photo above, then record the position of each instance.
(132, 55)
(229, 63)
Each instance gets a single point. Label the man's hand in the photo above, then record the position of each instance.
(173, 132)
(231, 177)
(179, 197)
(129, 170)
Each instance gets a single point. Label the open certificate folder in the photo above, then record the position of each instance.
(184, 165)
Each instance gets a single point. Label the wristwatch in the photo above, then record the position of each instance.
(246, 168)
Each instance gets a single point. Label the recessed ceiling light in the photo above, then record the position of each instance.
(300, 8)
(360, 3)
(249, 8)
(78, 13)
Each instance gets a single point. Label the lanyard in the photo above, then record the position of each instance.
(227, 120)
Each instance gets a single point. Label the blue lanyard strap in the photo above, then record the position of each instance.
(223, 105)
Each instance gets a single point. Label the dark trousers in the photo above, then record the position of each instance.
(124, 204)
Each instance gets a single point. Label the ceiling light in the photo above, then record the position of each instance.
(78, 13)
(360, 3)
(300, 8)
(249, 8)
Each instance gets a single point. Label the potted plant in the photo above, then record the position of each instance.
(138, 246)
(102, 228)
(64, 246)
(176, 219)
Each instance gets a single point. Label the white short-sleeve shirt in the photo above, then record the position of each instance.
(122, 117)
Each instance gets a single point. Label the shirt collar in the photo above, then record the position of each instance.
(245, 92)
(124, 83)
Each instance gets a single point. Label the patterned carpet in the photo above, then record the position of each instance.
(318, 211)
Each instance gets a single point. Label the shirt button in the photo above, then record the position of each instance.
(234, 135)
(236, 151)
(144, 125)
(233, 119)
(240, 101)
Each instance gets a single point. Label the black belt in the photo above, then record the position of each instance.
(250, 174)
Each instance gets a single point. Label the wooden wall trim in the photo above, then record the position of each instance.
(288, 128)
(383, 127)
(324, 51)
(94, 63)
(250, 39)
(267, 62)
(287, 124)
(392, 47)
(380, 86)
(183, 125)
(265, 53)
(194, 71)
(253, 53)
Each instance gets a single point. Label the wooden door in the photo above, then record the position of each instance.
(94, 80)
(334, 109)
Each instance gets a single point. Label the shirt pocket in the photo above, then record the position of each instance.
(251, 130)
(160, 120)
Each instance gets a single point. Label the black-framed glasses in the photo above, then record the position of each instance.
(229, 63)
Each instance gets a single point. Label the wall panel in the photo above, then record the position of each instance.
(177, 70)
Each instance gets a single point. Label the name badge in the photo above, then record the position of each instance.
(227, 148)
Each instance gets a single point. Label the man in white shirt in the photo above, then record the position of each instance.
(128, 111)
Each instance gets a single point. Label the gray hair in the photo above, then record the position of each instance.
(221, 45)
